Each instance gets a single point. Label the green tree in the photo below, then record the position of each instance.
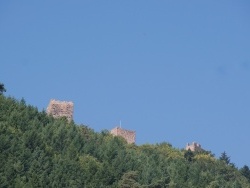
(189, 155)
(2, 88)
(225, 158)
(236, 184)
(245, 171)
(37, 150)
(129, 180)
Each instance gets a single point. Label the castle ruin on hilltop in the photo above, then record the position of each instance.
(128, 135)
(61, 109)
(194, 147)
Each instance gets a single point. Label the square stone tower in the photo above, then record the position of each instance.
(61, 109)
(128, 135)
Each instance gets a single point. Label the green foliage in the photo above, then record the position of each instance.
(245, 171)
(225, 158)
(129, 180)
(37, 150)
(189, 155)
(2, 88)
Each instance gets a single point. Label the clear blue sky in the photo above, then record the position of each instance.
(174, 71)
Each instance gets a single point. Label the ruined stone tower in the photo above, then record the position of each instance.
(128, 135)
(61, 109)
(194, 147)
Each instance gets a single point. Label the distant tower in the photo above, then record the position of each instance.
(194, 147)
(128, 135)
(61, 109)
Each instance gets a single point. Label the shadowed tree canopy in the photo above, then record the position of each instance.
(225, 158)
(129, 180)
(189, 155)
(245, 171)
(2, 89)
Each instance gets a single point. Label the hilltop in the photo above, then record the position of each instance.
(37, 150)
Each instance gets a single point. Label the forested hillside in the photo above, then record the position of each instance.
(39, 151)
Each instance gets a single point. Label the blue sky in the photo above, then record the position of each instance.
(174, 71)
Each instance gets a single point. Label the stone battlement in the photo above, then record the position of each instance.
(61, 109)
(58, 109)
(194, 147)
(128, 135)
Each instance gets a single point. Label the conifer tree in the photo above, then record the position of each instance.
(245, 171)
(225, 158)
(2, 89)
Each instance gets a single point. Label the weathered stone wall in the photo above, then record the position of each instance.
(61, 109)
(128, 135)
(194, 147)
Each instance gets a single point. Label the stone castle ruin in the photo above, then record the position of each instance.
(128, 135)
(61, 109)
(194, 147)
(58, 109)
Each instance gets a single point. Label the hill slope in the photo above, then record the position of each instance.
(39, 151)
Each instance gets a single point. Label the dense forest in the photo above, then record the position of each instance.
(37, 150)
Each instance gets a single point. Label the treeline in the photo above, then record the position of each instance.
(37, 150)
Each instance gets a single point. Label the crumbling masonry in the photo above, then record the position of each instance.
(61, 109)
(128, 135)
(58, 109)
(194, 147)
